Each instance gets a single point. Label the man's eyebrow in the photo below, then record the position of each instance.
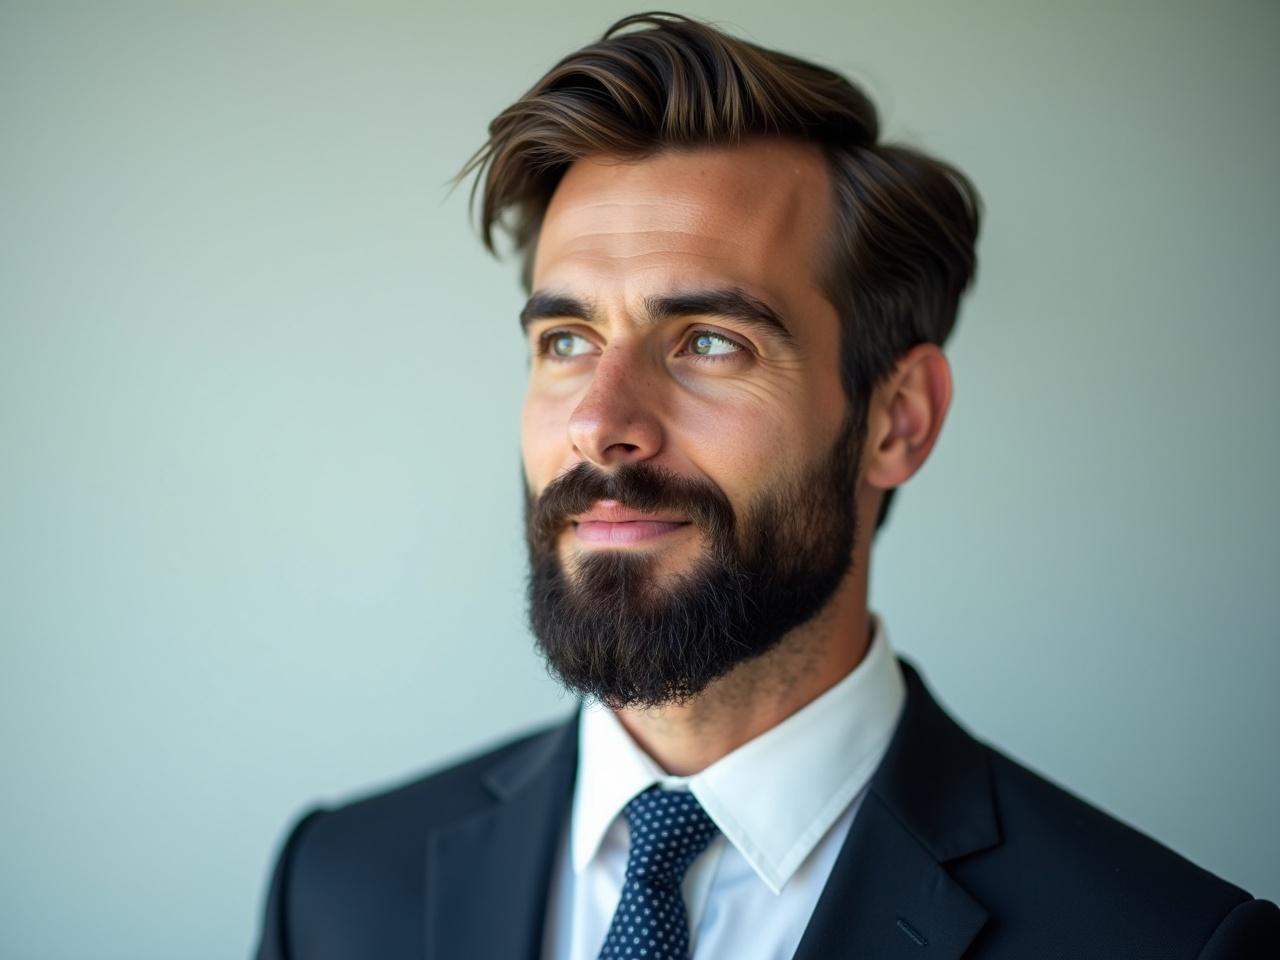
(550, 305)
(732, 303)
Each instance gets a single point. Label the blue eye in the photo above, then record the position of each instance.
(559, 345)
(563, 345)
(708, 344)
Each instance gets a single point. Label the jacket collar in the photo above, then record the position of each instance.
(775, 796)
(929, 802)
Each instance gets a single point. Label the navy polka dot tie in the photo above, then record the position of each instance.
(669, 829)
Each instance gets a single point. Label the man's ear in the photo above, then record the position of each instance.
(905, 416)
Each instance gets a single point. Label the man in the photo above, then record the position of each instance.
(737, 303)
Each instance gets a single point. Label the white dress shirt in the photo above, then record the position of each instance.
(783, 802)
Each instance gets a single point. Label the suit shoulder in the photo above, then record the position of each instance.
(350, 879)
(1032, 804)
(1091, 864)
(440, 795)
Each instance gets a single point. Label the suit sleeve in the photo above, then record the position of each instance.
(1251, 931)
(274, 942)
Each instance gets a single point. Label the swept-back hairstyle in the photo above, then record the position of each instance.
(903, 225)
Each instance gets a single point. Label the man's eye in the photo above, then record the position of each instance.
(562, 345)
(704, 343)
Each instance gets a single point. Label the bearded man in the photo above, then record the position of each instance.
(737, 302)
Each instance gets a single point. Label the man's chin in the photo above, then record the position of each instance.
(645, 575)
(677, 551)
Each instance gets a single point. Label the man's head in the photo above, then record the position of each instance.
(724, 268)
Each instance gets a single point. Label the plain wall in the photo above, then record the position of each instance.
(259, 394)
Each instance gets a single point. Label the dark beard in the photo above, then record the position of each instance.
(612, 633)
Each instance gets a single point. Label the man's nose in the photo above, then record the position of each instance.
(616, 421)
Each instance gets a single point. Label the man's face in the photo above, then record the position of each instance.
(688, 453)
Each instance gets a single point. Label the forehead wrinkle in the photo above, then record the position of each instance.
(584, 205)
(668, 215)
(608, 258)
(646, 231)
(662, 234)
(633, 248)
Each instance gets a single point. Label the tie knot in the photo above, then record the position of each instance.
(669, 829)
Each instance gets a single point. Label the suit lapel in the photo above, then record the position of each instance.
(488, 874)
(888, 898)
(889, 895)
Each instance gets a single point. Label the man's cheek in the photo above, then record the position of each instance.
(741, 459)
(544, 444)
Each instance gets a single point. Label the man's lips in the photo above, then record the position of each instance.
(610, 522)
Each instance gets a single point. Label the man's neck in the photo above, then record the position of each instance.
(759, 694)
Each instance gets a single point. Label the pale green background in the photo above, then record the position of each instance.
(259, 389)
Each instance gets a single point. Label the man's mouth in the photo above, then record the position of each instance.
(608, 522)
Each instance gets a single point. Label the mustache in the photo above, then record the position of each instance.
(637, 486)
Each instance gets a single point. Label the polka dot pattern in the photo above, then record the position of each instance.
(669, 829)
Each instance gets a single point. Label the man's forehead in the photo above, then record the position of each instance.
(751, 209)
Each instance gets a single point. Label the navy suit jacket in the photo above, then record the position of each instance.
(957, 851)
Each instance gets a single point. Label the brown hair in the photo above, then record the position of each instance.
(904, 224)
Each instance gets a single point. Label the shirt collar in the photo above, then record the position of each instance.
(776, 795)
